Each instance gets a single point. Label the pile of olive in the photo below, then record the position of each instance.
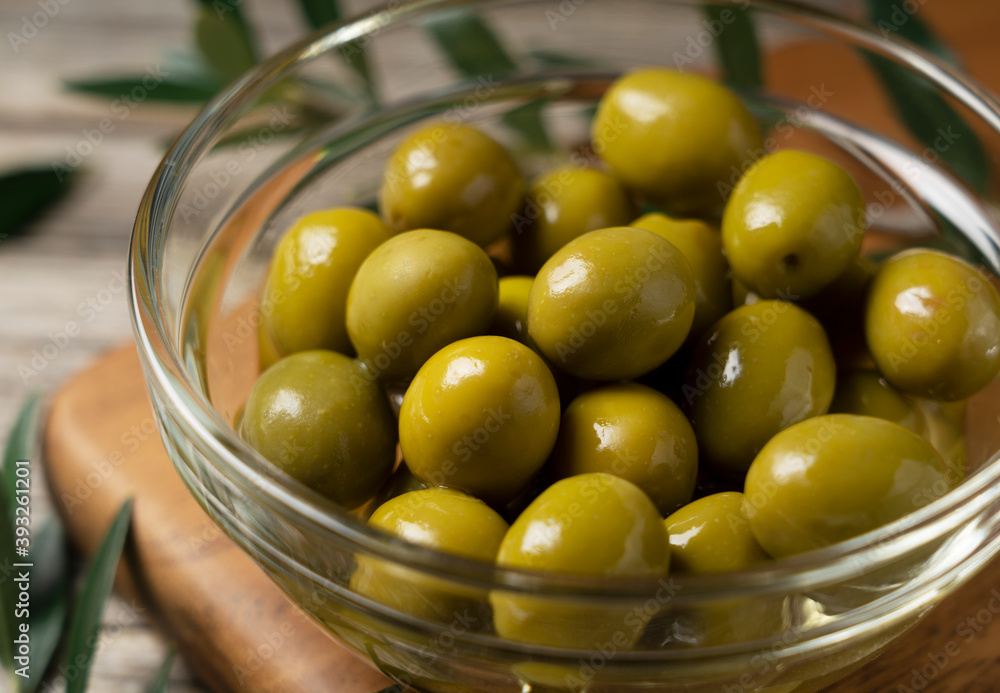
(596, 377)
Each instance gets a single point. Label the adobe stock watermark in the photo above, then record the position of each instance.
(32, 24)
(935, 662)
(624, 289)
(121, 108)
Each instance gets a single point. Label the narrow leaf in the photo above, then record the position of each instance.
(225, 43)
(553, 59)
(26, 194)
(527, 120)
(49, 598)
(230, 11)
(889, 18)
(161, 683)
(475, 51)
(736, 46)
(85, 625)
(21, 444)
(933, 122)
(469, 44)
(7, 591)
(168, 90)
(319, 13)
(923, 110)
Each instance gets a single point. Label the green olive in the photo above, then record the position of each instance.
(760, 369)
(416, 293)
(591, 524)
(865, 393)
(482, 416)
(932, 322)
(946, 433)
(612, 304)
(794, 223)
(702, 248)
(511, 318)
(451, 177)
(674, 137)
(305, 297)
(834, 477)
(634, 432)
(321, 418)
(563, 204)
(445, 520)
(712, 535)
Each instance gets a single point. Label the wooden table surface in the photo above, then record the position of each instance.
(75, 255)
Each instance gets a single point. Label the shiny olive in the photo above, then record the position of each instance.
(563, 204)
(865, 393)
(416, 293)
(591, 524)
(481, 415)
(794, 223)
(305, 297)
(634, 432)
(674, 136)
(760, 369)
(612, 304)
(702, 248)
(445, 520)
(932, 322)
(511, 318)
(833, 477)
(712, 535)
(451, 177)
(321, 418)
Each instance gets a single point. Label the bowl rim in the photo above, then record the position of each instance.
(167, 374)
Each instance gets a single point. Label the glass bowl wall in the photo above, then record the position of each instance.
(306, 130)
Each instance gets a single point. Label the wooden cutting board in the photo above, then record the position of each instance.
(239, 632)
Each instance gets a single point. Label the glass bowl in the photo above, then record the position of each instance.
(312, 128)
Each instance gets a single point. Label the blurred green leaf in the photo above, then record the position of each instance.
(736, 45)
(27, 193)
(890, 17)
(553, 59)
(926, 114)
(21, 444)
(527, 120)
(224, 40)
(933, 122)
(319, 13)
(169, 90)
(84, 630)
(162, 681)
(49, 597)
(475, 51)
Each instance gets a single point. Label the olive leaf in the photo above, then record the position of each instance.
(224, 39)
(50, 592)
(85, 624)
(474, 50)
(321, 13)
(161, 683)
(736, 45)
(21, 444)
(168, 90)
(27, 193)
(923, 110)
